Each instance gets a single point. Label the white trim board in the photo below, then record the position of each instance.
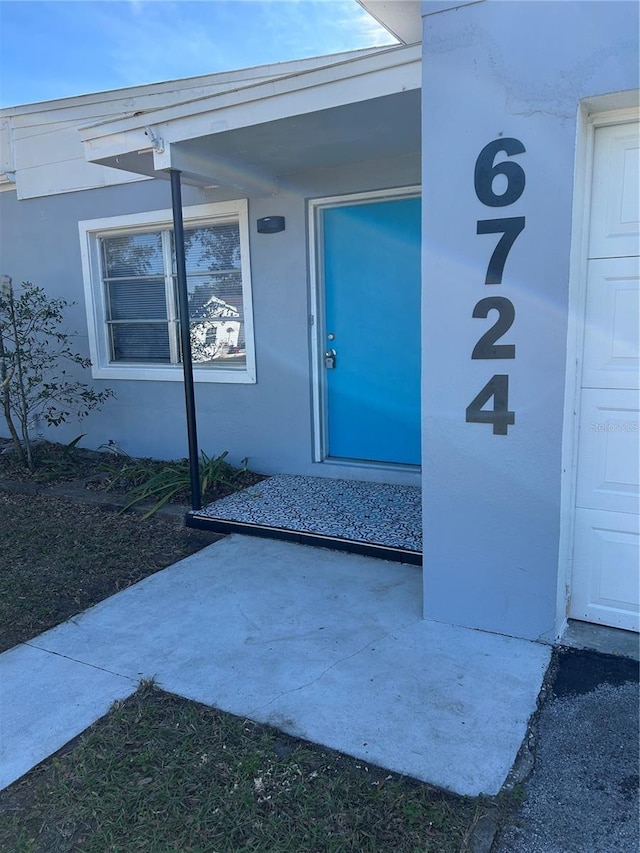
(589, 118)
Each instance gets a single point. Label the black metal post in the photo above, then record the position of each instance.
(185, 337)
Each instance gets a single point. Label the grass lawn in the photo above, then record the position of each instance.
(163, 774)
(160, 773)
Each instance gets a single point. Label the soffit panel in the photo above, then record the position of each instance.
(368, 130)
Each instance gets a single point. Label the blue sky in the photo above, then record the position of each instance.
(71, 47)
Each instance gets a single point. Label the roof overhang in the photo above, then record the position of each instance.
(402, 18)
(249, 137)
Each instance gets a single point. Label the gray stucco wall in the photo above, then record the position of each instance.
(493, 70)
(269, 422)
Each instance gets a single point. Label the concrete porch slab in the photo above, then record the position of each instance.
(375, 519)
(324, 645)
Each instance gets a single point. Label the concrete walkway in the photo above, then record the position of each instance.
(326, 646)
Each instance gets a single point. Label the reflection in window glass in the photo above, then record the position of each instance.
(131, 255)
(216, 315)
(142, 305)
(212, 248)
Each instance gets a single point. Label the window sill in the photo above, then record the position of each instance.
(244, 376)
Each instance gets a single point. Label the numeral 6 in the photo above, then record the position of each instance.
(486, 171)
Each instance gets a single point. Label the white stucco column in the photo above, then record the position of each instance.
(506, 79)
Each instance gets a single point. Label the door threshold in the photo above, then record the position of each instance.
(601, 638)
(371, 464)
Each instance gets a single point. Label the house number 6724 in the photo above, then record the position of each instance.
(512, 185)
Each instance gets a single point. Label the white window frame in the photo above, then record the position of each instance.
(91, 230)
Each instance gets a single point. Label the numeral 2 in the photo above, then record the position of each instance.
(510, 229)
(486, 346)
(500, 416)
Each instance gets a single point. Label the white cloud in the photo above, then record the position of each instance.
(362, 25)
(147, 42)
(150, 41)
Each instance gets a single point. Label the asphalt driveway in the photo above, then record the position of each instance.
(582, 796)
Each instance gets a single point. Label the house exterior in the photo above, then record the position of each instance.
(415, 264)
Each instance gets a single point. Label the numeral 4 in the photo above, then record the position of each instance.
(500, 416)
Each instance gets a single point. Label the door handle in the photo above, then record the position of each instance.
(330, 359)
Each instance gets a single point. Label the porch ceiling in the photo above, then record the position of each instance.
(368, 130)
(257, 158)
(249, 139)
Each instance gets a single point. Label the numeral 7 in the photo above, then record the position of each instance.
(510, 229)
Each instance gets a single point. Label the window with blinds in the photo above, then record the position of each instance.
(131, 297)
(141, 305)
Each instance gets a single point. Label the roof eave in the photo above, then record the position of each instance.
(374, 75)
(401, 18)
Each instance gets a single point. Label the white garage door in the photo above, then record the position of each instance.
(606, 558)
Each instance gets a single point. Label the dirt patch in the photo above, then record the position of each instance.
(59, 557)
(64, 545)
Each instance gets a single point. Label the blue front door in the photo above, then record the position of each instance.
(371, 260)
